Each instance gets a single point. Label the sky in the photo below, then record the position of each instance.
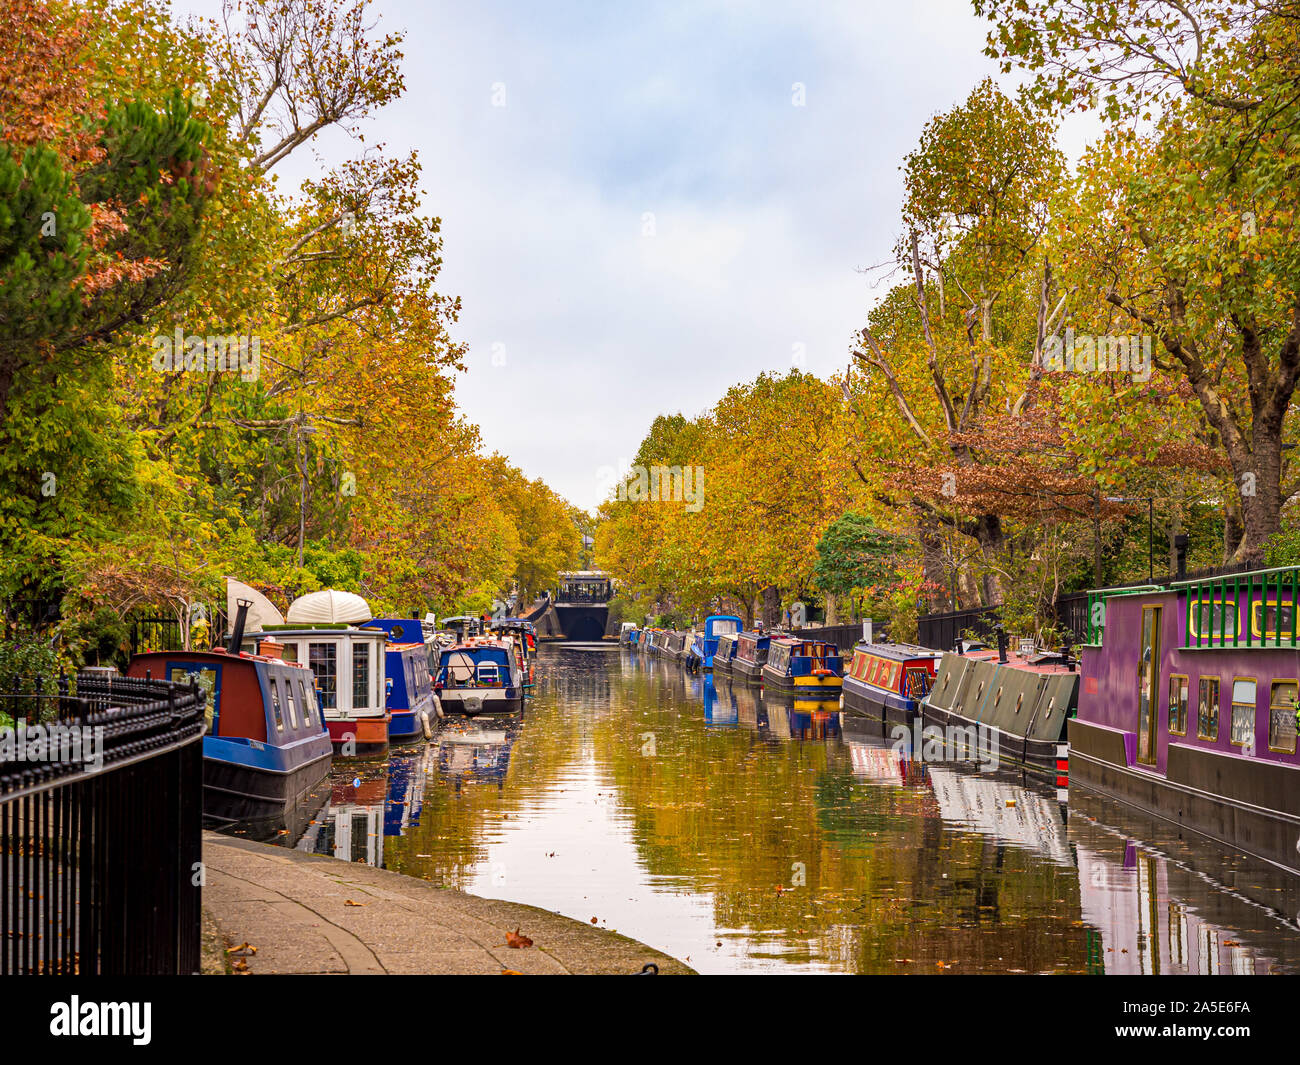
(645, 203)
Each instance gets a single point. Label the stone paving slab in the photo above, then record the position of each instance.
(309, 913)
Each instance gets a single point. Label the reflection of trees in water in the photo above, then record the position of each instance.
(730, 812)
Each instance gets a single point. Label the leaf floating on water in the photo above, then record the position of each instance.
(514, 939)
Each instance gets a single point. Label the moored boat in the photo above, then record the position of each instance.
(1021, 704)
(480, 675)
(704, 645)
(805, 666)
(1207, 736)
(727, 642)
(266, 747)
(888, 680)
(750, 656)
(329, 632)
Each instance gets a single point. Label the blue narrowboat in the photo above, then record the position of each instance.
(705, 644)
(409, 664)
(750, 655)
(803, 666)
(480, 676)
(722, 657)
(266, 747)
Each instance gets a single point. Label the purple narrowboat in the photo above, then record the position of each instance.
(1187, 707)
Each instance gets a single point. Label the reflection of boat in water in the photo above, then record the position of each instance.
(797, 718)
(719, 708)
(352, 827)
(1184, 906)
(1007, 809)
(470, 752)
(405, 792)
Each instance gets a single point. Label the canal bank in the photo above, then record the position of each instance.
(306, 913)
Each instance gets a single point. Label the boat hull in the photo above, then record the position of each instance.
(405, 727)
(368, 736)
(470, 702)
(233, 792)
(1246, 804)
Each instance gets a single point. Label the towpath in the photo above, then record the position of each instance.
(306, 913)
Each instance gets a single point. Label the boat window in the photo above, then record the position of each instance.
(1243, 712)
(274, 684)
(360, 676)
(303, 698)
(1283, 704)
(1051, 704)
(291, 702)
(1207, 709)
(1272, 620)
(727, 626)
(1178, 691)
(997, 698)
(1216, 617)
(290, 652)
(323, 659)
(1020, 700)
(979, 691)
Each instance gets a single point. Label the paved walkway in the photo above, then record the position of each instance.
(306, 913)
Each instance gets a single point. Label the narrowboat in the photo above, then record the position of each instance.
(329, 632)
(265, 749)
(750, 655)
(463, 625)
(704, 645)
(726, 648)
(412, 705)
(1021, 702)
(1188, 706)
(888, 680)
(674, 645)
(525, 638)
(480, 676)
(804, 666)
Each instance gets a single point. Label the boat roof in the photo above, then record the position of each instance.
(218, 654)
(898, 651)
(1036, 663)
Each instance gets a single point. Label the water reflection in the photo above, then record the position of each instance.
(744, 831)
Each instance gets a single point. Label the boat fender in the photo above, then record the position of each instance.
(428, 727)
(437, 706)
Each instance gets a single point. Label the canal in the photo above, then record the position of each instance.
(742, 834)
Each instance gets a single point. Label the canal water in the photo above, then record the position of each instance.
(742, 833)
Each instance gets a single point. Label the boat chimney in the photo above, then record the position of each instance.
(1068, 649)
(959, 644)
(1002, 641)
(1180, 547)
(237, 633)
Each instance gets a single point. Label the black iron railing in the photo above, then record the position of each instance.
(100, 828)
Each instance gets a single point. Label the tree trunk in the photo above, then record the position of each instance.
(832, 610)
(989, 534)
(771, 606)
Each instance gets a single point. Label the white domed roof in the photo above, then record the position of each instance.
(328, 605)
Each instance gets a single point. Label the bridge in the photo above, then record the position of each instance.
(580, 610)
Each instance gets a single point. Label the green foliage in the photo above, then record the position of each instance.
(29, 669)
(854, 555)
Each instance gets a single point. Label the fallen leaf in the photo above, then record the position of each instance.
(514, 939)
(349, 902)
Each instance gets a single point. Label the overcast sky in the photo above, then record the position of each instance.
(673, 198)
